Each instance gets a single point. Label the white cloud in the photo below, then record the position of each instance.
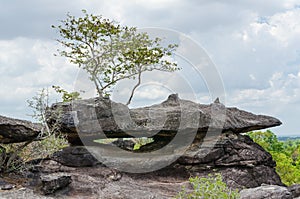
(284, 27)
(280, 99)
(26, 66)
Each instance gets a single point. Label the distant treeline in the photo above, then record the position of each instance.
(285, 138)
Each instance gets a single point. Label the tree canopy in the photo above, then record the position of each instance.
(110, 52)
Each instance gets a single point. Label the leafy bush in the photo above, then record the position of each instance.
(284, 153)
(211, 187)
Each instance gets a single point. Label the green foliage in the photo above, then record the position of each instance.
(110, 52)
(13, 157)
(267, 140)
(141, 142)
(284, 153)
(211, 187)
(10, 160)
(46, 147)
(67, 96)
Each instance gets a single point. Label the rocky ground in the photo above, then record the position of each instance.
(88, 178)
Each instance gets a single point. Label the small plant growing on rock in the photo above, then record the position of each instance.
(50, 140)
(211, 187)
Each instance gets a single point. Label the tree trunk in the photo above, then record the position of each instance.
(99, 91)
(135, 87)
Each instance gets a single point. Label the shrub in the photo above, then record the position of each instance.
(211, 187)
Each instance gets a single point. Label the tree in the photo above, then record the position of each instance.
(268, 140)
(109, 52)
(285, 154)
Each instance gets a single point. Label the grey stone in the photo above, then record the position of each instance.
(295, 190)
(229, 150)
(266, 191)
(5, 185)
(77, 156)
(53, 182)
(242, 162)
(124, 144)
(15, 131)
(96, 118)
(22, 193)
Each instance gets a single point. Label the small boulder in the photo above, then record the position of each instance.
(53, 182)
(124, 144)
(266, 191)
(75, 156)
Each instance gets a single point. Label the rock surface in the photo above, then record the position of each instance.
(102, 182)
(101, 118)
(75, 157)
(295, 190)
(53, 182)
(266, 191)
(14, 130)
(5, 185)
(241, 162)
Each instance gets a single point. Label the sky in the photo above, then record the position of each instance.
(254, 45)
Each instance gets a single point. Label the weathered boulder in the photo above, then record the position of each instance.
(15, 131)
(98, 118)
(53, 182)
(124, 144)
(77, 156)
(266, 191)
(229, 150)
(242, 162)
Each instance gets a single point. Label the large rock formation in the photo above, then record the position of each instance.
(14, 130)
(102, 118)
(217, 145)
